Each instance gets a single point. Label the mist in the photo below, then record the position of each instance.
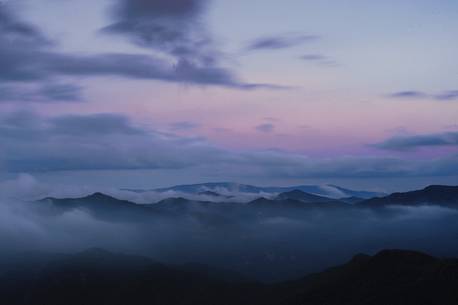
(267, 245)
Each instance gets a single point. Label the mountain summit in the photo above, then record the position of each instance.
(432, 195)
(330, 191)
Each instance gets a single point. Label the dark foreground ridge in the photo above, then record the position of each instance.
(95, 276)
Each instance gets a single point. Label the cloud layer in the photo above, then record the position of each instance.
(109, 141)
(419, 141)
(269, 246)
(45, 93)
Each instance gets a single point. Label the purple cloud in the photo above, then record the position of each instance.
(442, 96)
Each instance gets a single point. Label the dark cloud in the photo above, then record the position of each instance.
(96, 141)
(266, 128)
(93, 124)
(13, 31)
(143, 67)
(176, 29)
(442, 96)
(180, 9)
(173, 27)
(42, 93)
(20, 46)
(38, 65)
(418, 141)
(27, 56)
(280, 42)
(17, 38)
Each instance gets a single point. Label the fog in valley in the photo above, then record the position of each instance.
(263, 244)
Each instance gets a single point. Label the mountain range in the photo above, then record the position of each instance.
(330, 191)
(107, 207)
(273, 239)
(432, 195)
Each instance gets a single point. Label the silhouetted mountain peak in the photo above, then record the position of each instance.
(360, 258)
(260, 201)
(295, 193)
(100, 196)
(441, 188)
(414, 257)
(431, 195)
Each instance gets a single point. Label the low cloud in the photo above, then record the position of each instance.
(413, 142)
(33, 65)
(105, 141)
(47, 93)
(96, 141)
(25, 187)
(93, 124)
(268, 246)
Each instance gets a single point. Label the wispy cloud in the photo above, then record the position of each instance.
(319, 59)
(417, 141)
(449, 95)
(45, 93)
(279, 42)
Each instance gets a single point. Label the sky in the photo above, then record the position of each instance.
(151, 93)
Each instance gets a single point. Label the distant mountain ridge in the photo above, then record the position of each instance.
(331, 191)
(441, 195)
(107, 207)
(99, 205)
(304, 197)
